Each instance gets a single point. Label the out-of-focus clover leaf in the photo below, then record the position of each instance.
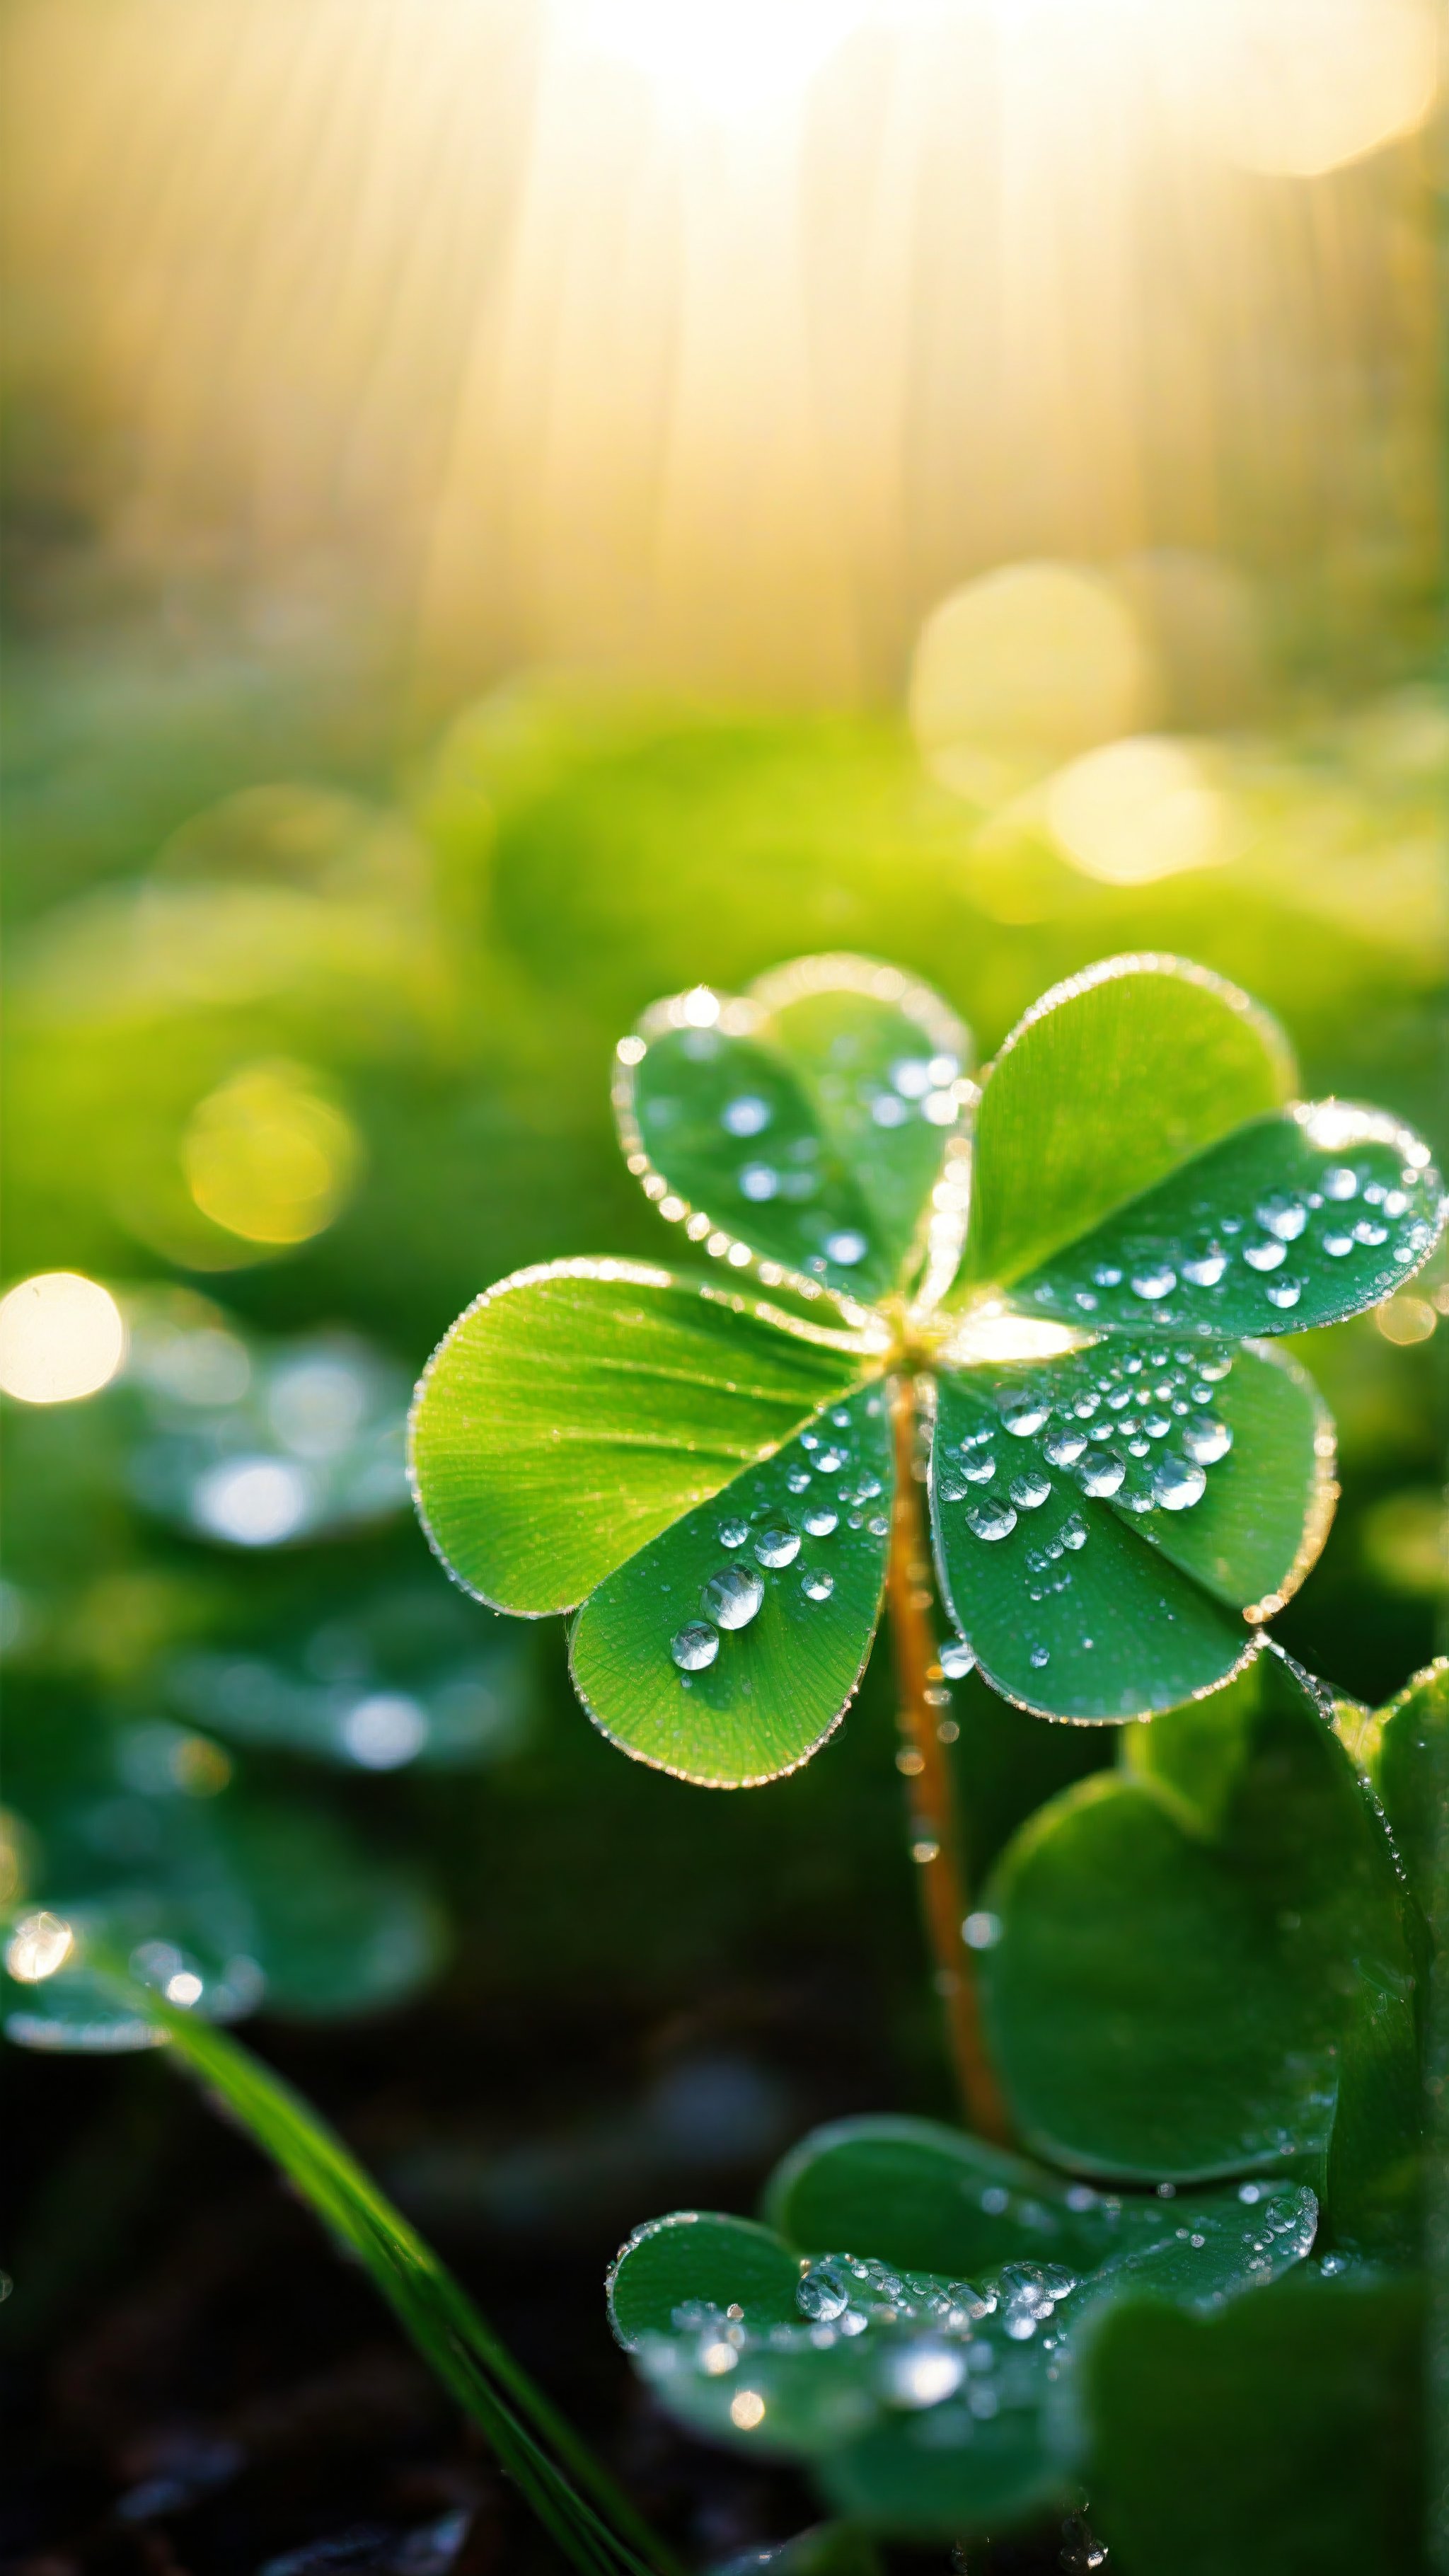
(1122, 1486)
(1281, 2438)
(255, 1443)
(928, 2404)
(399, 1681)
(142, 1842)
(1206, 1960)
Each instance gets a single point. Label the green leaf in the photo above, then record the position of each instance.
(726, 1650)
(1410, 1767)
(701, 2256)
(1189, 1950)
(1295, 1220)
(933, 2198)
(1111, 1081)
(928, 2403)
(575, 1411)
(1090, 1604)
(807, 1121)
(1281, 2438)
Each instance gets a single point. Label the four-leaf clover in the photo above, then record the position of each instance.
(1060, 1288)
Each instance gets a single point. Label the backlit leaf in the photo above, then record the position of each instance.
(575, 1411)
(1111, 1081)
(725, 1650)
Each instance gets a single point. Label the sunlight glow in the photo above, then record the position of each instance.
(39, 1944)
(1020, 669)
(61, 1336)
(732, 57)
(1308, 85)
(268, 1157)
(1138, 810)
(987, 1334)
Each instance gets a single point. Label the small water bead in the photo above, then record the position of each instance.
(816, 1584)
(1283, 1292)
(1119, 1397)
(880, 1526)
(1157, 1426)
(823, 2293)
(979, 1469)
(1063, 1448)
(746, 1116)
(1368, 1230)
(1086, 1405)
(759, 1181)
(732, 1597)
(1265, 1256)
(1206, 1440)
(830, 1461)
(1396, 1203)
(1039, 1657)
(952, 1482)
(1177, 1484)
(819, 1522)
(695, 1647)
(798, 1480)
(841, 1416)
(1216, 1368)
(1030, 1490)
(1205, 1269)
(1340, 1182)
(1107, 1276)
(1025, 1417)
(1283, 1217)
(1073, 1532)
(1153, 1281)
(1102, 1474)
(867, 1489)
(847, 1248)
(776, 1544)
(733, 1533)
(1140, 1448)
(992, 1520)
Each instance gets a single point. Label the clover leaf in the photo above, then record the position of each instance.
(1209, 1959)
(927, 2403)
(1063, 1278)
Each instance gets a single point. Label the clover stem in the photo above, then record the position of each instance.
(935, 1843)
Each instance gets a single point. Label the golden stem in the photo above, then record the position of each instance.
(934, 1841)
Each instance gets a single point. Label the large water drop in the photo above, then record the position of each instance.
(1177, 1484)
(992, 1520)
(1102, 1474)
(732, 1596)
(819, 1523)
(1153, 1281)
(777, 1544)
(695, 1647)
(1207, 1440)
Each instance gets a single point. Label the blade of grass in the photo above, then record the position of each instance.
(575, 2499)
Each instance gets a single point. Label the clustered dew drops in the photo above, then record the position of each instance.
(772, 1538)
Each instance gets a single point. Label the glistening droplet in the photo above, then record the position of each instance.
(1206, 1440)
(1283, 1217)
(1153, 1281)
(777, 1544)
(992, 1520)
(1101, 1474)
(695, 1647)
(1064, 1448)
(1177, 1484)
(819, 1522)
(1265, 1256)
(1025, 1417)
(1030, 1490)
(957, 1659)
(732, 1596)
(1205, 1269)
(733, 1533)
(1283, 1292)
(816, 1584)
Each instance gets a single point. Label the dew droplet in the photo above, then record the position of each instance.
(953, 1480)
(1040, 1656)
(816, 1584)
(1283, 1217)
(1368, 1230)
(1073, 1532)
(980, 1469)
(819, 1523)
(747, 1116)
(732, 1597)
(1340, 1182)
(1396, 1203)
(1025, 1417)
(1177, 1484)
(1206, 1268)
(823, 2293)
(695, 1647)
(847, 1248)
(992, 1520)
(777, 1544)
(1107, 1275)
(1064, 1448)
(797, 1480)
(1153, 1281)
(1265, 1256)
(957, 1659)
(1283, 1292)
(1215, 1368)
(1206, 1440)
(1030, 1490)
(1101, 1474)
(733, 1533)
(830, 1461)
